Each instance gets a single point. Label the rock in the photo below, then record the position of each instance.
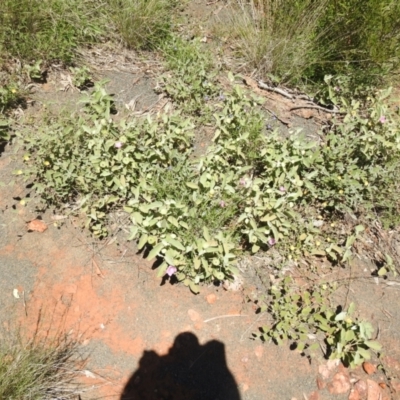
(326, 370)
(320, 383)
(340, 384)
(71, 289)
(36, 225)
(211, 298)
(314, 395)
(354, 395)
(369, 368)
(194, 315)
(391, 363)
(233, 285)
(374, 391)
(259, 351)
(361, 387)
(395, 384)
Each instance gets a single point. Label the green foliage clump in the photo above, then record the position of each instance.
(251, 190)
(193, 85)
(81, 77)
(305, 317)
(10, 96)
(10, 92)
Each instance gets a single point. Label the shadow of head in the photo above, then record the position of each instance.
(189, 371)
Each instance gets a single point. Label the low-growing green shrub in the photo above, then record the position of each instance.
(10, 94)
(305, 318)
(193, 84)
(252, 189)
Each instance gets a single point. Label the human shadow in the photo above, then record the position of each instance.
(188, 372)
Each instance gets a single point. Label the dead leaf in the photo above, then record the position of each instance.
(16, 294)
(204, 39)
(37, 225)
(369, 368)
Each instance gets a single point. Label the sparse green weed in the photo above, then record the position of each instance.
(193, 85)
(8, 96)
(81, 77)
(34, 71)
(305, 318)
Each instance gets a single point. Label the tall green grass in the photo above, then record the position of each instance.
(362, 37)
(294, 40)
(143, 24)
(49, 29)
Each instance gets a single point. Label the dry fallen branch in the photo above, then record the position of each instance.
(317, 108)
(263, 85)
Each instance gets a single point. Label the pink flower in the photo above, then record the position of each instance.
(282, 189)
(171, 270)
(242, 182)
(222, 203)
(271, 241)
(382, 119)
(118, 145)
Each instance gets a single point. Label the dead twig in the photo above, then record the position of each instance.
(98, 270)
(23, 298)
(318, 108)
(263, 85)
(225, 316)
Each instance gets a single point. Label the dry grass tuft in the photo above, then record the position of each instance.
(40, 368)
(273, 37)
